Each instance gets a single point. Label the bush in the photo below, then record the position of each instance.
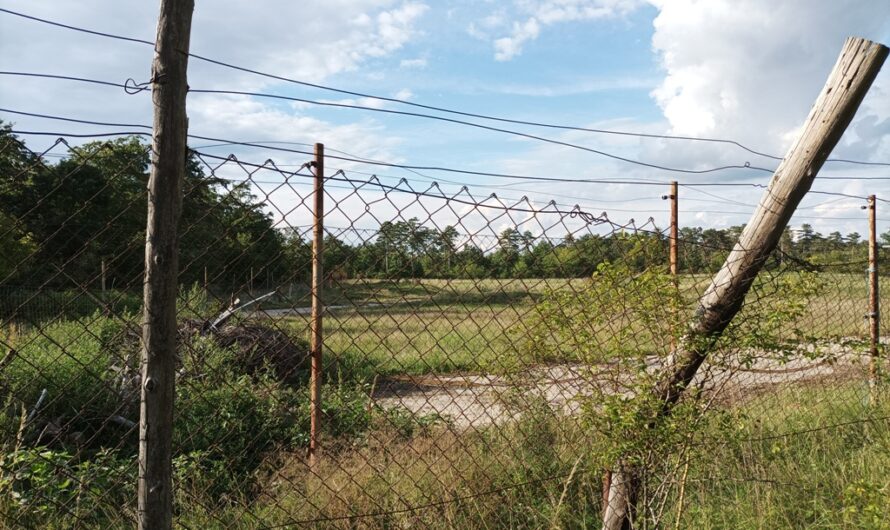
(224, 429)
(75, 363)
(229, 413)
(39, 484)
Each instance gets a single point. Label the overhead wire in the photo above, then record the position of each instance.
(336, 157)
(429, 107)
(606, 154)
(415, 167)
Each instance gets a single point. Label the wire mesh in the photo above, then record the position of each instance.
(486, 361)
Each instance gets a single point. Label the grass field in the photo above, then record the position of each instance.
(441, 326)
(241, 437)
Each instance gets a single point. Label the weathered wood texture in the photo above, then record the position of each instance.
(169, 88)
(849, 81)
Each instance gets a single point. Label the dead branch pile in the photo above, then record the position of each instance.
(257, 346)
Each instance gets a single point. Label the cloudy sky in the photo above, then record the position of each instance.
(746, 70)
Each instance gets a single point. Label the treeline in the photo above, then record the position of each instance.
(60, 220)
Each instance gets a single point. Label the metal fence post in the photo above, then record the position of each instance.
(674, 261)
(873, 300)
(317, 337)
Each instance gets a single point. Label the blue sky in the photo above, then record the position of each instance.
(746, 70)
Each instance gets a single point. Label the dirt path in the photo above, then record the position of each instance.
(475, 400)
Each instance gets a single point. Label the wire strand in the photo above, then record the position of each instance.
(432, 107)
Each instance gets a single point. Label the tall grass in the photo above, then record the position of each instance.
(795, 469)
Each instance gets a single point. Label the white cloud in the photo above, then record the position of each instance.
(573, 87)
(752, 73)
(304, 40)
(508, 47)
(244, 118)
(484, 27)
(408, 64)
(541, 13)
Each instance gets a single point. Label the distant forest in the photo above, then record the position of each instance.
(89, 206)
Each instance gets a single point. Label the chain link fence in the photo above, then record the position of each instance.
(485, 360)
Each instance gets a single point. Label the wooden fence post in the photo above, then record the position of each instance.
(849, 81)
(874, 311)
(159, 329)
(317, 336)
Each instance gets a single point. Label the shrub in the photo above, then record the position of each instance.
(39, 484)
(74, 362)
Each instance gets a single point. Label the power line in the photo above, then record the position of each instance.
(430, 178)
(613, 156)
(422, 168)
(74, 120)
(127, 86)
(308, 153)
(432, 107)
(488, 186)
(544, 139)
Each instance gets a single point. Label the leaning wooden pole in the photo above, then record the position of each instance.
(169, 89)
(849, 81)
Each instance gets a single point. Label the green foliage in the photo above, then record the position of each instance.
(618, 314)
(628, 319)
(91, 206)
(41, 483)
(770, 321)
(867, 505)
(226, 423)
(73, 361)
(34, 306)
(195, 302)
(790, 468)
(17, 245)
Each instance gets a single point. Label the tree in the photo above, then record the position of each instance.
(18, 248)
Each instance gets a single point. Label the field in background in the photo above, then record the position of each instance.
(442, 326)
(387, 460)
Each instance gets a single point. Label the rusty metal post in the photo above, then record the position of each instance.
(873, 300)
(674, 229)
(316, 340)
(673, 240)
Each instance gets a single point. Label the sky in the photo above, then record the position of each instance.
(745, 70)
